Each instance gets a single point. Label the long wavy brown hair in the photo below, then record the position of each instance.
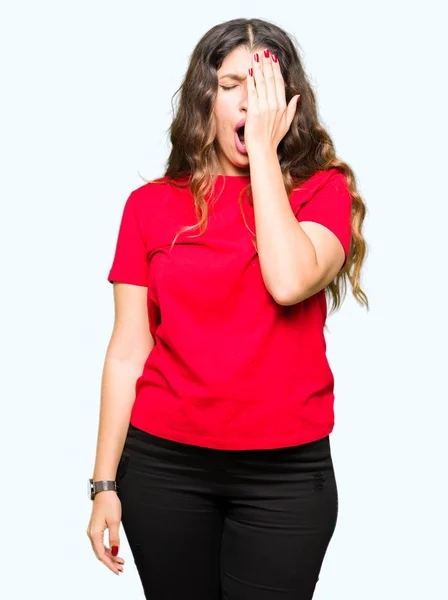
(304, 150)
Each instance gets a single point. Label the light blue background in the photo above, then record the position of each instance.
(85, 104)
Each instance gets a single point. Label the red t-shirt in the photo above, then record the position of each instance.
(230, 368)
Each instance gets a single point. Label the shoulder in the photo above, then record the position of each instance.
(154, 194)
(321, 179)
(323, 183)
(150, 189)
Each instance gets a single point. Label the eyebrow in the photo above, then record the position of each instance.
(235, 76)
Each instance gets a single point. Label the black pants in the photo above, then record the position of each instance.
(209, 524)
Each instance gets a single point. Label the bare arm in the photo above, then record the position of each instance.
(128, 349)
(296, 259)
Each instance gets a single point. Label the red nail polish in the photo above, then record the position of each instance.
(256, 57)
(251, 72)
(114, 550)
(266, 52)
(274, 57)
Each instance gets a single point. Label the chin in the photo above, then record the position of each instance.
(242, 159)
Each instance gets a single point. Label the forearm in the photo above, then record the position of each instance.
(117, 398)
(285, 252)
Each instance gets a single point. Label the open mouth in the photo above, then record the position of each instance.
(240, 133)
(240, 142)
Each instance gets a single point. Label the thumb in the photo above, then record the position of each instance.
(292, 106)
(114, 539)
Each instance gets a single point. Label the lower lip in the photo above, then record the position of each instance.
(239, 145)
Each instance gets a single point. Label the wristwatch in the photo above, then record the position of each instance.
(94, 487)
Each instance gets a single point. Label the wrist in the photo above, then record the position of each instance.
(262, 153)
(104, 493)
(95, 487)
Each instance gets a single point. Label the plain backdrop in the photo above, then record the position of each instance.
(86, 91)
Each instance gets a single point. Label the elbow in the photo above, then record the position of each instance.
(293, 295)
(288, 297)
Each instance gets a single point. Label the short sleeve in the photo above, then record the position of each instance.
(331, 206)
(130, 263)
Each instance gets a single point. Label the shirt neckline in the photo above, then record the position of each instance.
(233, 179)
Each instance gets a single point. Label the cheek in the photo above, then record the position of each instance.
(225, 107)
(225, 111)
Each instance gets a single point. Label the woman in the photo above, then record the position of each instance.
(217, 397)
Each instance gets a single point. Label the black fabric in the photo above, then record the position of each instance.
(208, 524)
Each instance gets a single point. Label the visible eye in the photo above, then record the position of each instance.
(228, 87)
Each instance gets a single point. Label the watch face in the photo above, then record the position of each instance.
(89, 488)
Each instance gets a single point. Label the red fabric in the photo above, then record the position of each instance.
(231, 368)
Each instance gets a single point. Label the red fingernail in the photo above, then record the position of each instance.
(251, 72)
(256, 57)
(114, 550)
(266, 52)
(274, 57)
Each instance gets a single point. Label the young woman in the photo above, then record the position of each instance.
(217, 396)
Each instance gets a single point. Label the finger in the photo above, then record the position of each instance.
(117, 559)
(100, 551)
(119, 562)
(114, 538)
(259, 82)
(279, 81)
(252, 98)
(268, 74)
